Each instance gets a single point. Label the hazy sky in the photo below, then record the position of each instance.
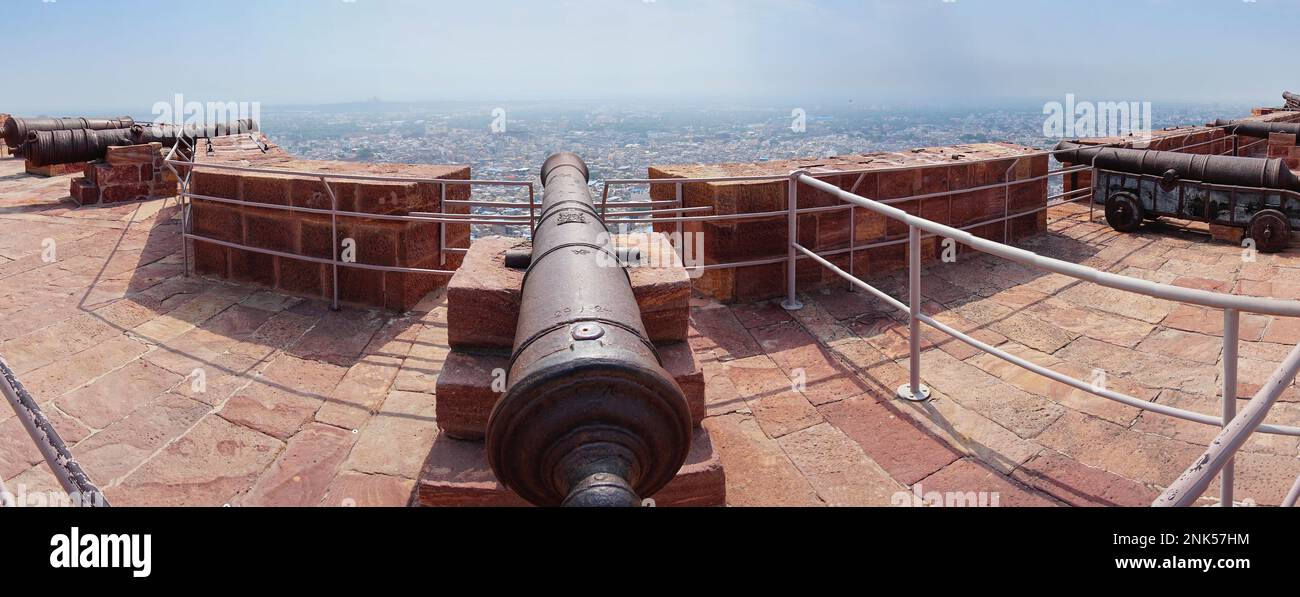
(128, 54)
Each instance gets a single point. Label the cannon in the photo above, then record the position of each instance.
(44, 148)
(1292, 100)
(589, 416)
(1257, 128)
(1260, 196)
(16, 130)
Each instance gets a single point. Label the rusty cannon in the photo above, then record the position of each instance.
(15, 131)
(589, 416)
(44, 148)
(1257, 128)
(1260, 196)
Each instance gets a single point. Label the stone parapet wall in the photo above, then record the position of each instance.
(960, 171)
(375, 242)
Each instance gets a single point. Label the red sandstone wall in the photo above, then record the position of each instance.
(378, 242)
(936, 170)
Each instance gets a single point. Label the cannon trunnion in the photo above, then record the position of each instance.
(590, 417)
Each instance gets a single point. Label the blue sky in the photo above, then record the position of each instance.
(128, 54)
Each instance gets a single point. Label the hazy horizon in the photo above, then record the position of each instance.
(906, 53)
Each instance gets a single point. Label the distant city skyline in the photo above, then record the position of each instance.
(959, 53)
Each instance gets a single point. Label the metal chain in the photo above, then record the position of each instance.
(62, 464)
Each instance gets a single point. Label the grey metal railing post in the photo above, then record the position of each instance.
(1231, 329)
(914, 391)
(681, 237)
(442, 226)
(334, 236)
(791, 302)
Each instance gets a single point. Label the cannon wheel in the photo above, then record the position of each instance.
(1270, 230)
(1124, 213)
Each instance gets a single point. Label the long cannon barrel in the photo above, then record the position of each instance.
(589, 416)
(1214, 169)
(16, 130)
(1256, 128)
(44, 148)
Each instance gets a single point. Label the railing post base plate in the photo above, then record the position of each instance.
(905, 393)
(792, 305)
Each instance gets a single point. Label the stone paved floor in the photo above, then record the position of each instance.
(186, 391)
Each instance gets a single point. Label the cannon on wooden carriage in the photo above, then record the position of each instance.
(1259, 196)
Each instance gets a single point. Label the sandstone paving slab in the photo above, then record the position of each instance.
(1282, 413)
(1080, 485)
(971, 483)
(839, 471)
(1142, 457)
(302, 474)
(891, 438)
(971, 433)
(719, 335)
(396, 440)
(1150, 370)
(118, 394)
(108, 455)
(211, 465)
(759, 472)
(59, 378)
(359, 490)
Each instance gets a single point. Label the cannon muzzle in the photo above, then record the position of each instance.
(1213, 169)
(589, 417)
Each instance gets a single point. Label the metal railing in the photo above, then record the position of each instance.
(1232, 305)
(65, 468)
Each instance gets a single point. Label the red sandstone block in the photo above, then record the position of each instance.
(468, 387)
(1027, 195)
(864, 184)
(84, 192)
(134, 155)
(251, 266)
(870, 226)
(898, 184)
(53, 169)
(104, 175)
(357, 285)
(215, 183)
(483, 297)
(316, 236)
(457, 474)
(388, 198)
(270, 229)
(403, 291)
(263, 188)
(124, 192)
(937, 209)
(312, 194)
(210, 259)
(833, 230)
(301, 277)
(376, 242)
(934, 180)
